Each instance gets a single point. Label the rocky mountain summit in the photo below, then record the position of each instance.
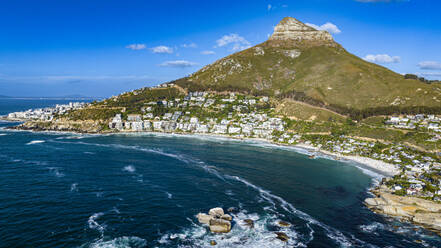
(301, 63)
(292, 29)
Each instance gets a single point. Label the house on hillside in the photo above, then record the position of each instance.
(134, 117)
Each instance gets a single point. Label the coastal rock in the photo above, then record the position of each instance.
(212, 242)
(370, 201)
(216, 212)
(420, 211)
(249, 223)
(284, 224)
(81, 126)
(216, 219)
(226, 217)
(204, 218)
(431, 219)
(282, 236)
(220, 226)
(233, 210)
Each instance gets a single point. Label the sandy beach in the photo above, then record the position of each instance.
(378, 166)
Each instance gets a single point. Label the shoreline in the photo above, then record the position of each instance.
(375, 169)
(376, 166)
(420, 212)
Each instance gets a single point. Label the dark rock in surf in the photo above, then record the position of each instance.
(282, 236)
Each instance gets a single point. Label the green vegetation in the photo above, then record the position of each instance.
(322, 75)
(92, 114)
(303, 111)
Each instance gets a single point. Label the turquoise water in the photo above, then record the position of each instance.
(67, 190)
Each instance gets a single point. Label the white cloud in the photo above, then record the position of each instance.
(239, 47)
(330, 27)
(430, 74)
(162, 49)
(382, 58)
(238, 42)
(429, 65)
(136, 46)
(269, 7)
(189, 45)
(231, 38)
(207, 52)
(178, 63)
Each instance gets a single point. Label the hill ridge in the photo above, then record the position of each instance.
(307, 65)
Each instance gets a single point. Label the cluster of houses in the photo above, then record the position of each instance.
(415, 167)
(421, 121)
(45, 114)
(245, 116)
(243, 120)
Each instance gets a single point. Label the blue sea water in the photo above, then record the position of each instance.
(144, 190)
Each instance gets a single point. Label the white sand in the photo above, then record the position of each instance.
(377, 165)
(381, 167)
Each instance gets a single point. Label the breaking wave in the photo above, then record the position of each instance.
(35, 142)
(276, 202)
(74, 187)
(241, 235)
(169, 195)
(93, 223)
(129, 168)
(121, 242)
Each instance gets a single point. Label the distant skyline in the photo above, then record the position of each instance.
(101, 48)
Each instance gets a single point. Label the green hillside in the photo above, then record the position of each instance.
(318, 72)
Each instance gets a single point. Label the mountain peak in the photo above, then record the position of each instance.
(292, 29)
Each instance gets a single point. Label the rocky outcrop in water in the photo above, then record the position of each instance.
(216, 219)
(419, 211)
(85, 126)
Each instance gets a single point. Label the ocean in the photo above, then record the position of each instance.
(144, 190)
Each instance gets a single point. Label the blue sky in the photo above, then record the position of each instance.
(104, 47)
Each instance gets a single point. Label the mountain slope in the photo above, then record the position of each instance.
(305, 64)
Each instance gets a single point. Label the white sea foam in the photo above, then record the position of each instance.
(121, 242)
(372, 228)
(3, 134)
(406, 229)
(129, 168)
(23, 161)
(331, 232)
(275, 201)
(229, 192)
(35, 142)
(93, 223)
(74, 187)
(56, 171)
(169, 196)
(241, 235)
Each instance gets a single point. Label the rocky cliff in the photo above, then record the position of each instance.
(61, 125)
(301, 63)
(419, 211)
(294, 30)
